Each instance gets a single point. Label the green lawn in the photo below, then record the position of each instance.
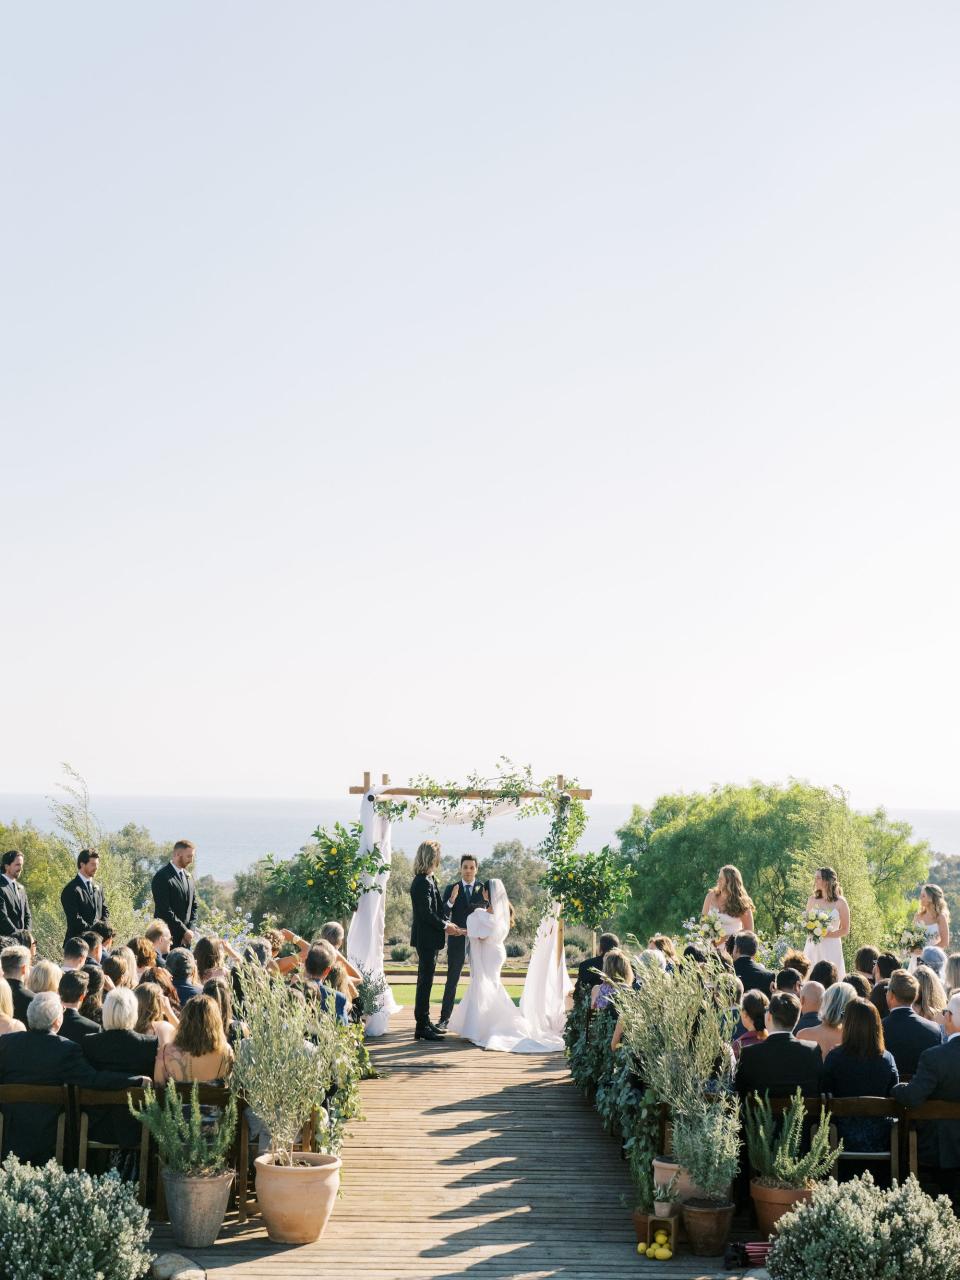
(405, 991)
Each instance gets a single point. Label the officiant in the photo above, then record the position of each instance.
(460, 898)
(82, 899)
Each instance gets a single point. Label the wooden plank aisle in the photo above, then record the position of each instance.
(467, 1164)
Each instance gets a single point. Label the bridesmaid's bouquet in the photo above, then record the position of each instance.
(816, 924)
(913, 938)
(708, 929)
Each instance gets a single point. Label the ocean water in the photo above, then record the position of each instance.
(230, 834)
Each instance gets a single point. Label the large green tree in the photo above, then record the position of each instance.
(777, 836)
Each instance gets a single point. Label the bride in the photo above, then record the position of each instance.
(486, 1014)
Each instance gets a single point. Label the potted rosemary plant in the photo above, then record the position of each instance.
(781, 1175)
(193, 1156)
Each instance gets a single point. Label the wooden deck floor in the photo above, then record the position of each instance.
(468, 1164)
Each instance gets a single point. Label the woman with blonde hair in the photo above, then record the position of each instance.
(44, 976)
(951, 976)
(153, 1018)
(932, 1000)
(617, 972)
(730, 900)
(828, 896)
(428, 934)
(8, 1023)
(829, 1034)
(199, 1050)
(934, 916)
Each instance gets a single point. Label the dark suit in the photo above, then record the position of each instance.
(21, 999)
(936, 1079)
(778, 1066)
(464, 907)
(427, 935)
(186, 991)
(14, 907)
(907, 1035)
(36, 1057)
(119, 1051)
(807, 1022)
(586, 978)
(77, 1028)
(753, 976)
(83, 905)
(174, 901)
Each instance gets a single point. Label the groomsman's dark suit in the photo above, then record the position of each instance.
(469, 899)
(84, 906)
(14, 907)
(174, 901)
(427, 935)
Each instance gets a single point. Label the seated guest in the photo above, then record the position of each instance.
(861, 985)
(199, 1050)
(829, 1034)
(934, 958)
(661, 942)
(158, 932)
(118, 1047)
(219, 989)
(210, 959)
(154, 1016)
(932, 999)
(692, 952)
(15, 963)
(753, 1014)
(781, 1064)
(24, 938)
(92, 1004)
(951, 977)
(753, 976)
(936, 1079)
(106, 935)
(161, 978)
(182, 969)
(811, 998)
(865, 962)
(825, 972)
(887, 963)
(144, 955)
(8, 1023)
(73, 989)
(94, 949)
(321, 958)
(333, 933)
(338, 980)
(878, 998)
(617, 972)
(42, 1056)
(75, 953)
(788, 980)
(862, 1067)
(794, 959)
(589, 972)
(44, 976)
(907, 1035)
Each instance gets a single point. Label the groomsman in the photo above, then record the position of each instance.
(174, 899)
(14, 903)
(82, 900)
(460, 900)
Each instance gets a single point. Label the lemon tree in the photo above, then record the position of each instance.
(327, 877)
(590, 887)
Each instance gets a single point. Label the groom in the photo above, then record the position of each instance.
(460, 899)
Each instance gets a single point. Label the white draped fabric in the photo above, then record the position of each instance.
(547, 984)
(365, 935)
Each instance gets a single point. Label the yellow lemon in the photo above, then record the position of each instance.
(642, 1249)
(333, 851)
(651, 1251)
(661, 1237)
(663, 1254)
(309, 882)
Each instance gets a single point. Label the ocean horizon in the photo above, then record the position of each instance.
(232, 833)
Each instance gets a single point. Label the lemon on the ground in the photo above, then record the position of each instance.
(661, 1237)
(664, 1254)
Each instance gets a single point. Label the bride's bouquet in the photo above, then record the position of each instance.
(708, 929)
(912, 938)
(816, 924)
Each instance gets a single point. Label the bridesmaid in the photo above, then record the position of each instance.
(828, 896)
(731, 901)
(934, 916)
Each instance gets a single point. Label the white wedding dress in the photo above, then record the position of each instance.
(486, 1014)
(828, 949)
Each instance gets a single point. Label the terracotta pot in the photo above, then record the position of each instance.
(663, 1171)
(296, 1201)
(771, 1203)
(196, 1206)
(640, 1223)
(707, 1227)
(665, 1208)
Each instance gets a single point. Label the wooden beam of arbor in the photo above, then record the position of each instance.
(577, 793)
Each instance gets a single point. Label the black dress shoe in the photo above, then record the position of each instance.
(426, 1033)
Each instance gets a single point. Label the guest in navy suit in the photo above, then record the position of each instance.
(907, 1035)
(937, 1079)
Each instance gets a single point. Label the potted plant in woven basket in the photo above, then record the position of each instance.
(782, 1176)
(707, 1141)
(193, 1154)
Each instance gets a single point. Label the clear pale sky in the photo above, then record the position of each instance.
(396, 386)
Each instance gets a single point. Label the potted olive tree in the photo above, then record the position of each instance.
(782, 1176)
(283, 1070)
(707, 1142)
(193, 1153)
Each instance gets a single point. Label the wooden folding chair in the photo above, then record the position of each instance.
(56, 1095)
(867, 1108)
(118, 1098)
(918, 1115)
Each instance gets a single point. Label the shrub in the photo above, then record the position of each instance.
(69, 1226)
(186, 1145)
(516, 949)
(400, 953)
(775, 1157)
(857, 1230)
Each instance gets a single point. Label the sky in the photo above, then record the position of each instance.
(395, 387)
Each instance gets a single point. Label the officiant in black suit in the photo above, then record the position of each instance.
(82, 899)
(14, 903)
(460, 900)
(174, 898)
(428, 933)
